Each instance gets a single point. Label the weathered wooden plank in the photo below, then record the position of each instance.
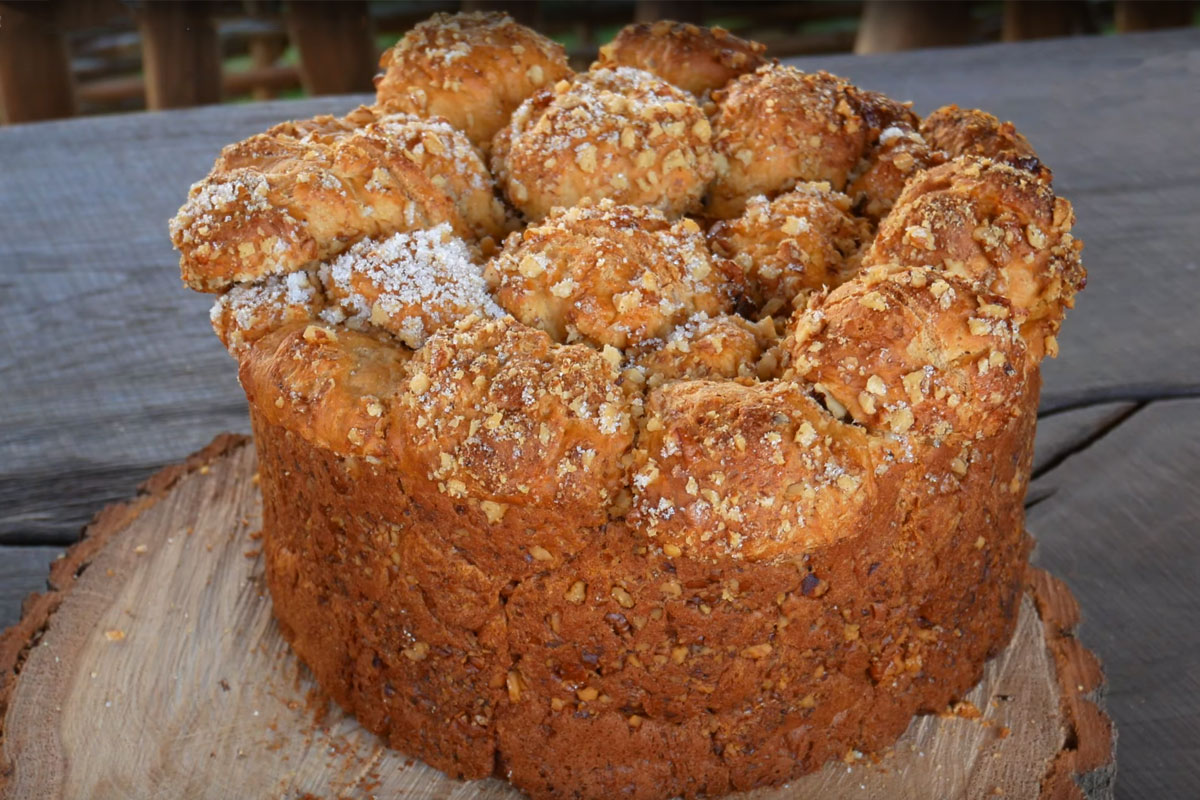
(22, 570)
(1060, 435)
(1123, 530)
(107, 366)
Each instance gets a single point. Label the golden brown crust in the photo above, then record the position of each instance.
(943, 361)
(331, 386)
(691, 57)
(652, 548)
(325, 128)
(423, 666)
(472, 69)
(995, 225)
(898, 154)
(245, 313)
(724, 470)
(609, 274)
(521, 440)
(972, 132)
(725, 346)
(275, 203)
(746, 675)
(779, 126)
(609, 133)
(803, 240)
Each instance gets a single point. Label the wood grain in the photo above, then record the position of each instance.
(107, 364)
(161, 643)
(1060, 435)
(1123, 530)
(22, 570)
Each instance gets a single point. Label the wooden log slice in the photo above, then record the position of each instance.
(153, 668)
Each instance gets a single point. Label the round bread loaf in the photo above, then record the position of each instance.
(630, 502)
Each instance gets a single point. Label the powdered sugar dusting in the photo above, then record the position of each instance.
(410, 284)
(248, 311)
(213, 201)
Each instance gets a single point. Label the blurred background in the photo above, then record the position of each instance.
(63, 59)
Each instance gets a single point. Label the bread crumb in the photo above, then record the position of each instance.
(495, 511)
(577, 593)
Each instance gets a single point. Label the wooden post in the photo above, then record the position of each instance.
(1029, 20)
(890, 25)
(264, 47)
(337, 53)
(35, 68)
(1149, 15)
(180, 54)
(677, 10)
(265, 50)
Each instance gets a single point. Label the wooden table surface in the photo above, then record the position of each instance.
(108, 368)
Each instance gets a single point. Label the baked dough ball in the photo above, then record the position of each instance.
(880, 112)
(779, 126)
(275, 203)
(247, 312)
(688, 56)
(913, 351)
(802, 240)
(898, 153)
(499, 413)
(616, 133)
(727, 470)
(722, 347)
(329, 385)
(471, 69)
(611, 274)
(323, 127)
(995, 225)
(969, 131)
(410, 284)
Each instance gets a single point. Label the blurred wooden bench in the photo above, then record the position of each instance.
(181, 53)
